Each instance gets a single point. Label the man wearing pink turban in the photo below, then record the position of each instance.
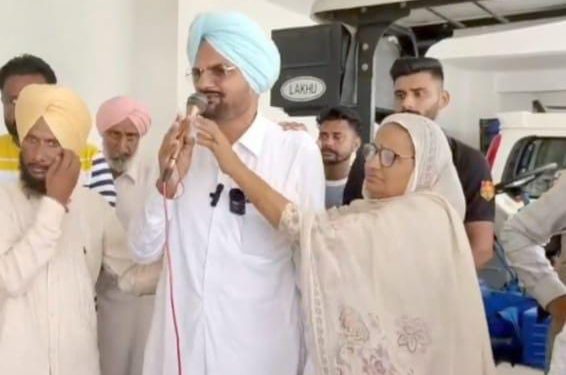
(121, 121)
(124, 319)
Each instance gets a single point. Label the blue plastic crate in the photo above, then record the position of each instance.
(534, 335)
(497, 300)
(504, 311)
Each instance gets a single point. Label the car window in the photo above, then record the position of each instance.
(533, 152)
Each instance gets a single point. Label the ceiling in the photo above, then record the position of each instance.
(429, 20)
(425, 12)
(298, 6)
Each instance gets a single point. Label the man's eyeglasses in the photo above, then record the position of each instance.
(387, 157)
(217, 72)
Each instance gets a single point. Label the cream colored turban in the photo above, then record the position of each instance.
(63, 110)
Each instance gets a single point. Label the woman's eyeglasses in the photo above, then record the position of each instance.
(387, 157)
(217, 72)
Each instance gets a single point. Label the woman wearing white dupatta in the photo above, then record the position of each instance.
(389, 284)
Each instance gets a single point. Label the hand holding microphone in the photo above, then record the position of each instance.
(177, 146)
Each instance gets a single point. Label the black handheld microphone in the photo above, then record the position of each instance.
(215, 196)
(196, 104)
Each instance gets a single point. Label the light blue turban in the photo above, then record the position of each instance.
(241, 41)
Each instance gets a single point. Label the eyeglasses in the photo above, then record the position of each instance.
(218, 72)
(387, 157)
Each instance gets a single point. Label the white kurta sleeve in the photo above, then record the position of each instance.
(24, 255)
(146, 234)
(132, 277)
(522, 239)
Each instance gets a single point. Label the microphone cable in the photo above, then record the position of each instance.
(167, 251)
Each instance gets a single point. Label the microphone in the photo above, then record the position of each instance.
(196, 104)
(215, 196)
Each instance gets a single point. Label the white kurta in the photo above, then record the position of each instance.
(124, 318)
(49, 263)
(234, 281)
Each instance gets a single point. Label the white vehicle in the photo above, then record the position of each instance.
(527, 141)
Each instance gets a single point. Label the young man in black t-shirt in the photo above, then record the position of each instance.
(419, 88)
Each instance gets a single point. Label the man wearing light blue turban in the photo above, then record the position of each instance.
(233, 287)
(241, 41)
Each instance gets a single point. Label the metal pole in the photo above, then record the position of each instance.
(367, 38)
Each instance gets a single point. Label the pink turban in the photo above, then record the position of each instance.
(115, 110)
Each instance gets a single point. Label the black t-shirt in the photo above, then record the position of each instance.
(473, 171)
(475, 177)
(353, 188)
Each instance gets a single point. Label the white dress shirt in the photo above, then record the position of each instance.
(523, 237)
(234, 283)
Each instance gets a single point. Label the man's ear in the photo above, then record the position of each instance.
(444, 99)
(357, 142)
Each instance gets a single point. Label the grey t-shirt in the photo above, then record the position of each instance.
(335, 192)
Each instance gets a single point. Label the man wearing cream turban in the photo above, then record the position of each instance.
(123, 318)
(55, 236)
(234, 288)
(16, 74)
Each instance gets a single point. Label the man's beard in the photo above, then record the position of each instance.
(216, 109)
(31, 183)
(119, 165)
(431, 114)
(214, 113)
(336, 160)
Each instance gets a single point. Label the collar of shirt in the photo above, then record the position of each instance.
(252, 139)
(334, 183)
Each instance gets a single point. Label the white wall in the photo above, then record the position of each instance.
(503, 71)
(510, 102)
(137, 47)
(103, 48)
(518, 89)
(483, 93)
(472, 96)
(154, 65)
(87, 43)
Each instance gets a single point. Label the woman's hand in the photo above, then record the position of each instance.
(267, 200)
(210, 136)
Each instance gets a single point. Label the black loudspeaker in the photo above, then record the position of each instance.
(313, 60)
